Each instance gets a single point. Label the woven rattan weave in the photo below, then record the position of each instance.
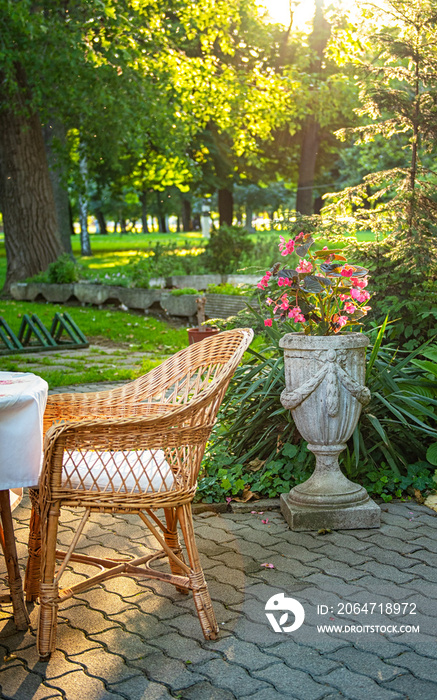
(134, 449)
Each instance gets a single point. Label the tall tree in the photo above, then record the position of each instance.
(29, 217)
(54, 139)
(399, 94)
(317, 41)
(396, 54)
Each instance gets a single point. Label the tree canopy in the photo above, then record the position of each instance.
(137, 97)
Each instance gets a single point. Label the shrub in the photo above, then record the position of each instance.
(228, 288)
(408, 296)
(182, 292)
(64, 270)
(225, 249)
(388, 452)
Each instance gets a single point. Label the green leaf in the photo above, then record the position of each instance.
(426, 365)
(290, 450)
(303, 248)
(375, 349)
(326, 253)
(287, 272)
(311, 284)
(378, 427)
(431, 454)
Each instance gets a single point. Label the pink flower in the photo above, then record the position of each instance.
(269, 301)
(347, 270)
(296, 315)
(286, 247)
(349, 307)
(304, 266)
(359, 295)
(295, 311)
(268, 322)
(299, 236)
(284, 281)
(264, 522)
(360, 282)
(341, 321)
(344, 297)
(268, 566)
(263, 284)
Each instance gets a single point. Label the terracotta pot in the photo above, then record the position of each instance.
(324, 378)
(195, 335)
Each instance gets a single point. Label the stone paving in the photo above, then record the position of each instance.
(142, 640)
(95, 357)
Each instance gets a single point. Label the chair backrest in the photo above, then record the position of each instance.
(190, 371)
(179, 379)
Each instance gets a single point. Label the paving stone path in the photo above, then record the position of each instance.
(142, 640)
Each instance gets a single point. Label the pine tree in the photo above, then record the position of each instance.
(398, 84)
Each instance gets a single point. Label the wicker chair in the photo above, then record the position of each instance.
(134, 449)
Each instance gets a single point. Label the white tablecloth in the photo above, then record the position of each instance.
(23, 398)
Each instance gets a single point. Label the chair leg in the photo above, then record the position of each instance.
(172, 540)
(48, 611)
(202, 599)
(33, 568)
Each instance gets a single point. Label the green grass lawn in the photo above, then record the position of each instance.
(113, 252)
(132, 332)
(140, 332)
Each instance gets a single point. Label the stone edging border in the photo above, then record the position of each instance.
(159, 300)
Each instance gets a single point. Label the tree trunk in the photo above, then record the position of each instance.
(318, 204)
(226, 206)
(161, 217)
(122, 226)
(143, 200)
(307, 167)
(101, 221)
(85, 245)
(32, 240)
(249, 217)
(54, 136)
(311, 137)
(70, 214)
(187, 222)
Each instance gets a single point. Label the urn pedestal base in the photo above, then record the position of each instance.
(306, 517)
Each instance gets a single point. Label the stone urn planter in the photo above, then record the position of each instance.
(324, 379)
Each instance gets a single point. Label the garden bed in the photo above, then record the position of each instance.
(161, 301)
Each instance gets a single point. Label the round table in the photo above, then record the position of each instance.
(23, 398)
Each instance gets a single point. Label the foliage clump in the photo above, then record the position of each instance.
(393, 451)
(64, 270)
(226, 248)
(398, 90)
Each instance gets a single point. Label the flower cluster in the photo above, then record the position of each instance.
(323, 292)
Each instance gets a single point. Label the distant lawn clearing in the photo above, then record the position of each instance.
(113, 252)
